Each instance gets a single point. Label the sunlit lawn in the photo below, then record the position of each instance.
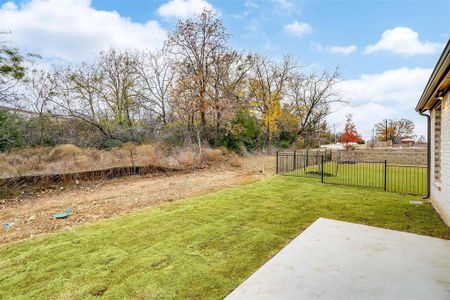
(404, 179)
(202, 247)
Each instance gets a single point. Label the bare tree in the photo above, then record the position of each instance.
(77, 96)
(118, 88)
(421, 140)
(102, 93)
(310, 98)
(197, 43)
(225, 90)
(40, 90)
(394, 130)
(156, 78)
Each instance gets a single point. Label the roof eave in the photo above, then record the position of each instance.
(439, 72)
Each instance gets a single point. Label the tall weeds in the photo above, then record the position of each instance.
(67, 158)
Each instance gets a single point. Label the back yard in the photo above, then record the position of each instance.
(30, 213)
(201, 247)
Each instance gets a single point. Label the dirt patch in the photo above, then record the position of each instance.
(32, 215)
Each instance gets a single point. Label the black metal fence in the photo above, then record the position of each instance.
(375, 174)
(299, 164)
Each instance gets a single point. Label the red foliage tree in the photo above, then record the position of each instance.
(350, 134)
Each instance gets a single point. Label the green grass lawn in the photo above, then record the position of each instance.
(201, 247)
(403, 179)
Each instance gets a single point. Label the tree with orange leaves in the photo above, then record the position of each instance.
(350, 134)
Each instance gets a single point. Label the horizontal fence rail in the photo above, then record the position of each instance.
(375, 174)
(407, 179)
(368, 174)
(298, 164)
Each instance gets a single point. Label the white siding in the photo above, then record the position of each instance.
(440, 192)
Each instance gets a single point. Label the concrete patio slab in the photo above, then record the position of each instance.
(339, 260)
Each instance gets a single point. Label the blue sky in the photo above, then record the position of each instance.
(384, 49)
(258, 25)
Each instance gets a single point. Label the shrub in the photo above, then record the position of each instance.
(6, 170)
(64, 151)
(211, 155)
(234, 160)
(243, 131)
(10, 134)
(284, 144)
(111, 143)
(186, 158)
(149, 154)
(31, 152)
(300, 143)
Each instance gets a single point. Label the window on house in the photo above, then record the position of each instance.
(437, 143)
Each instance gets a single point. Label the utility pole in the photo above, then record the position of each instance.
(334, 126)
(373, 137)
(386, 130)
(318, 134)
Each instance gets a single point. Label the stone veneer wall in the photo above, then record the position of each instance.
(405, 156)
(410, 156)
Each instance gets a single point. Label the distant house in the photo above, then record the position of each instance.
(435, 100)
(337, 146)
(407, 141)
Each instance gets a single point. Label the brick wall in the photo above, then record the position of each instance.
(437, 143)
(440, 189)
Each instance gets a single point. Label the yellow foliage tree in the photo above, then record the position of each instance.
(271, 117)
(268, 105)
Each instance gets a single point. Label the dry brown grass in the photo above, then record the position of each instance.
(234, 160)
(187, 158)
(6, 168)
(212, 155)
(64, 151)
(149, 154)
(31, 152)
(69, 158)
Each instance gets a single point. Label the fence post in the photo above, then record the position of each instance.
(295, 160)
(276, 164)
(385, 174)
(307, 157)
(322, 168)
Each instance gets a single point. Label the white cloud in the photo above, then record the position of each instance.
(402, 86)
(254, 25)
(391, 94)
(72, 30)
(241, 15)
(364, 116)
(345, 50)
(251, 4)
(298, 28)
(284, 4)
(403, 40)
(183, 8)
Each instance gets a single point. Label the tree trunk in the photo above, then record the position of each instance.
(218, 116)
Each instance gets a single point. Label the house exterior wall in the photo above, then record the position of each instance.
(440, 189)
